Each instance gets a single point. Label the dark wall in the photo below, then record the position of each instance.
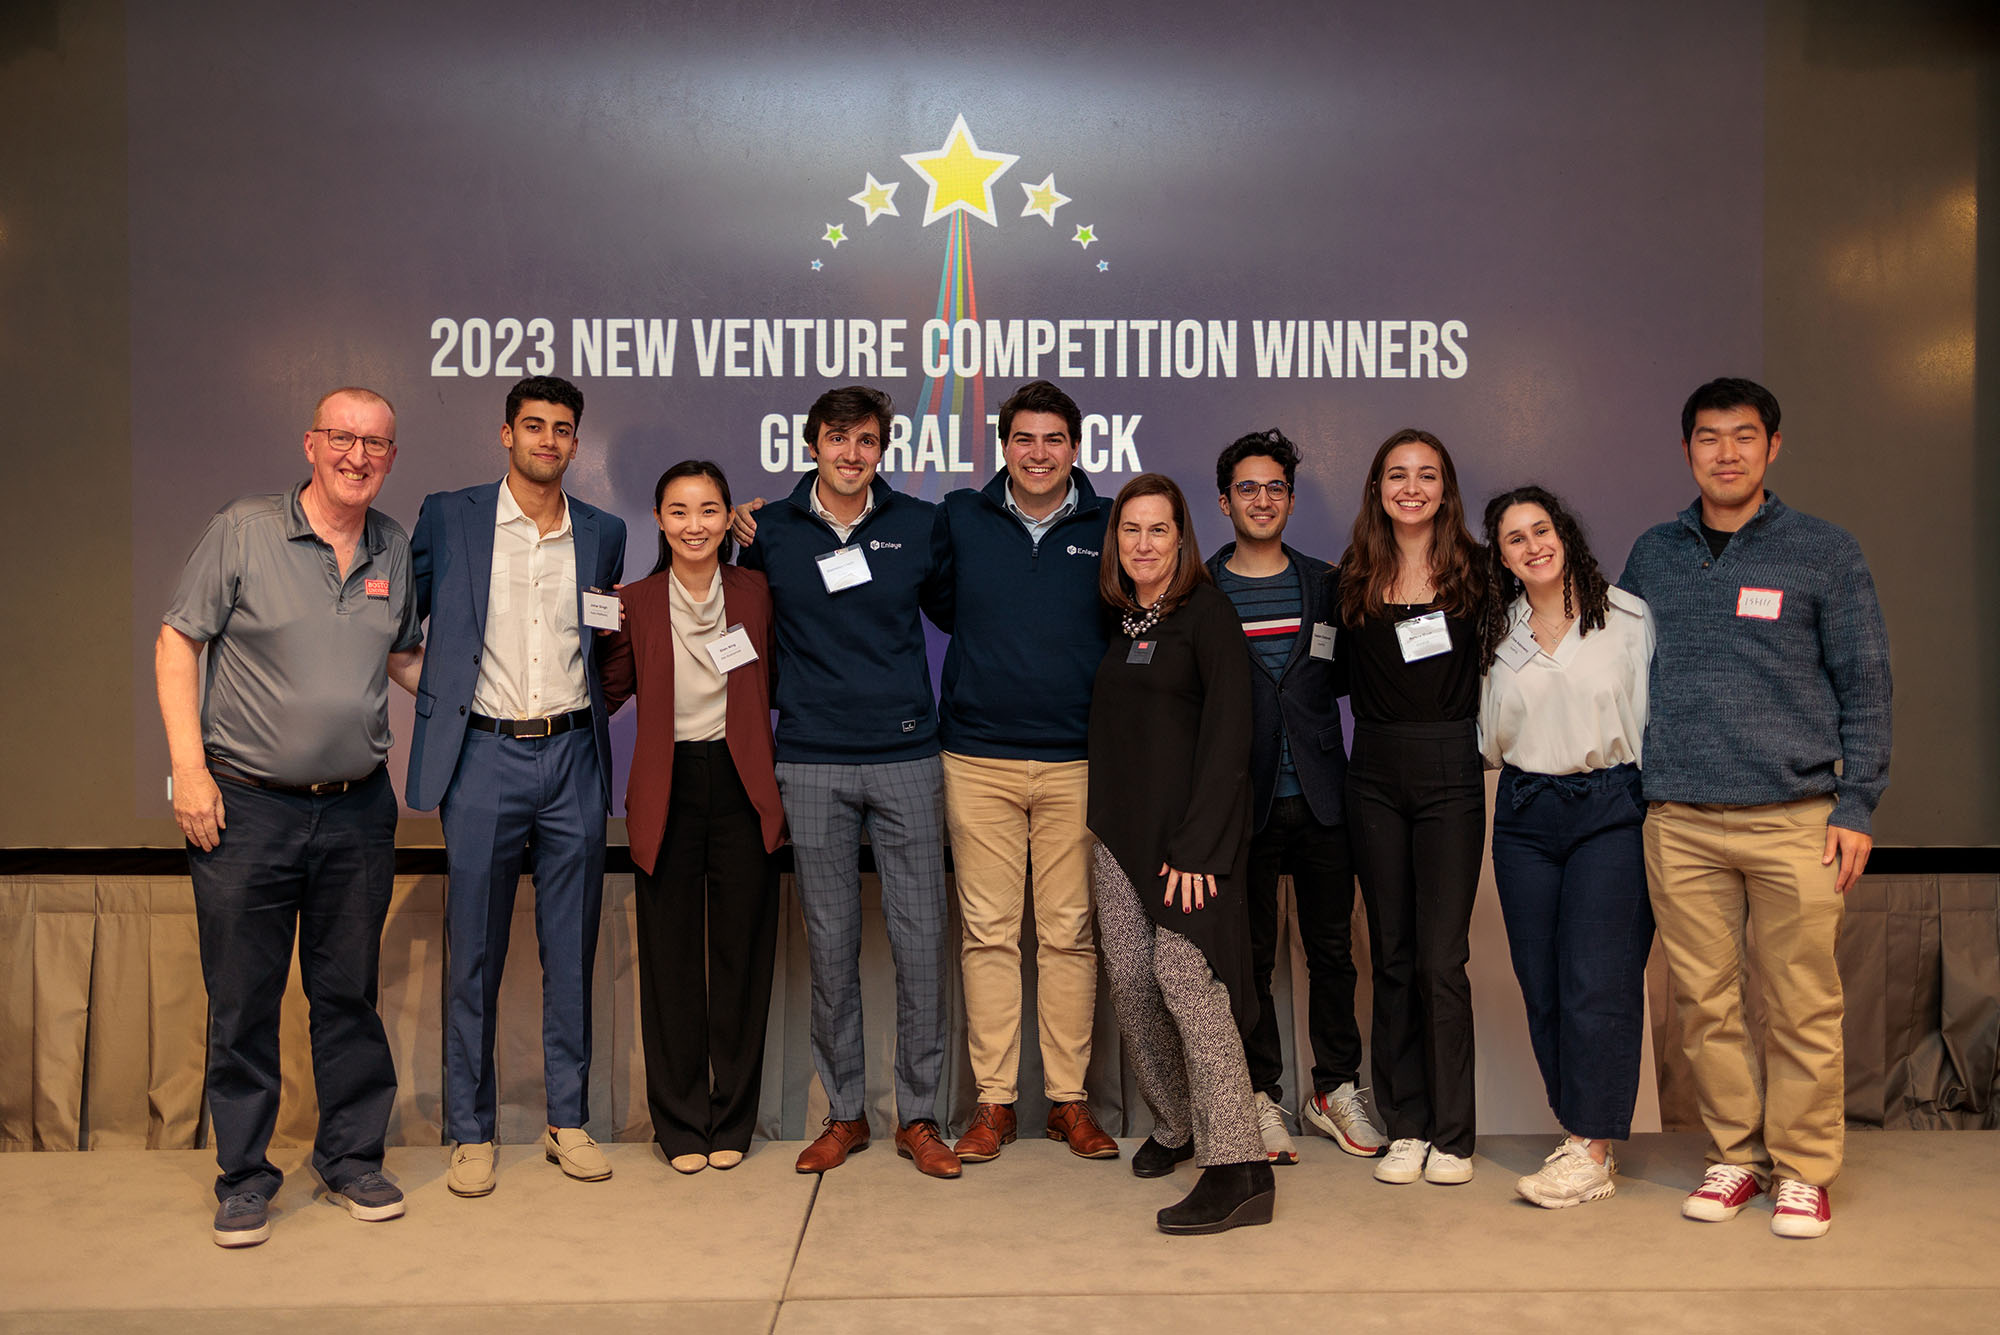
(1872, 143)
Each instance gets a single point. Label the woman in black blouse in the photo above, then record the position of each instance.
(1409, 602)
(1170, 808)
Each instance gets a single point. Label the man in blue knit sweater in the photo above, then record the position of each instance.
(849, 562)
(1018, 563)
(1765, 754)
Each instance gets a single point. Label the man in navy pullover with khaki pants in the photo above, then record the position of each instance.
(1018, 563)
(849, 563)
(1766, 751)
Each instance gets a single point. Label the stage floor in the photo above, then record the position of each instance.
(1036, 1240)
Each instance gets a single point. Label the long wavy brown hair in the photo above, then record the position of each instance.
(1586, 594)
(1368, 567)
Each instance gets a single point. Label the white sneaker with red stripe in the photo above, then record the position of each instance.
(1801, 1212)
(1724, 1190)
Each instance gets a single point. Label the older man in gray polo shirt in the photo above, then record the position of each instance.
(304, 603)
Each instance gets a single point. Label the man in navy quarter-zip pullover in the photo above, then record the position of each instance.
(1018, 563)
(849, 563)
(1767, 748)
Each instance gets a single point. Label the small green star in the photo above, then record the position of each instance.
(1085, 234)
(835, 234)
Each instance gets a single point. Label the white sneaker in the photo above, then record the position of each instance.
(1404, 1162)
(1447, 1170)
(1569, 1177)
(1278, 1147)
(1341, 1115)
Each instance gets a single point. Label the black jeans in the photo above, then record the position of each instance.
(1315, 856)
(323, 866)
(1416, 814)
(707, 935)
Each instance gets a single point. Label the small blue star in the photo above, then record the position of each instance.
(1104, 266)
(817, 266)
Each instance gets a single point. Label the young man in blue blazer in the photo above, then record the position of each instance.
(513, 749)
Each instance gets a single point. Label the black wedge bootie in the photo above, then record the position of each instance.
(1153, 1159)
(1229, 1195)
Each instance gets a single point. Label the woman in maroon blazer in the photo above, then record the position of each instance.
(702, 813)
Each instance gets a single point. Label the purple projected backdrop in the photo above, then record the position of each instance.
(1529, 234)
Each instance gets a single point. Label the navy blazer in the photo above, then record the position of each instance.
(451, 566)
(1304, 703)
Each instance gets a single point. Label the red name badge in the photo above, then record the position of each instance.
(377, 588)
(1762, 604)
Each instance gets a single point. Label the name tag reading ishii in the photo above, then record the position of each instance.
(600, 610)
(1517, 648)
(731, 649)
(1423, 637)
(1760, 604)
(844, 568)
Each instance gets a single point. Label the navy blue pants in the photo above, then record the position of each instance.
(325, 866)
(508, 794)
(1570, 864)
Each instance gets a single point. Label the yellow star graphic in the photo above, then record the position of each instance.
(876, 199)
(1085, 234)
(835, 234)
(1044, 200)
(960, 177)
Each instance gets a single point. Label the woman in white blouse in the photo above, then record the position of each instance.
(1563, 714)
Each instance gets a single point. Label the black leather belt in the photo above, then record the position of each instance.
(552, 726)
(334, 789)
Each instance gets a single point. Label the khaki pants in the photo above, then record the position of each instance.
(997, 810)
(1775, 1107)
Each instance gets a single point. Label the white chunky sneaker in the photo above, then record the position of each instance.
(1569, 1177)
(1278, 1147)
(1404, 1162)
(1341, 1115)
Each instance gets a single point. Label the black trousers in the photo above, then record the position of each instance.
(1416, 816)
(707, 932)
(1315, 856)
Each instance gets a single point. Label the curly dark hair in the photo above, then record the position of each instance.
(1586, 595)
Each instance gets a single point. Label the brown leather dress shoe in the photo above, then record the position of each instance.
(920, 1143)
(992, 1126)
(839, 1140)
(1073, 1123)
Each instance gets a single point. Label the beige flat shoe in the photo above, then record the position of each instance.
(725, 1158)
(471, 1171)
(571, 1149)
(688, 1163)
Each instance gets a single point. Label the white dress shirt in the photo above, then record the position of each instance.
(840, 530)
(531, 664)
(1581, 708)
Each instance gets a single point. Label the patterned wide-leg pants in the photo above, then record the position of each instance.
(1179, 1032)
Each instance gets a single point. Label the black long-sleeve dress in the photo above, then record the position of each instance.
(1170, 774)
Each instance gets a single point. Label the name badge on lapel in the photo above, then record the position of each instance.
(600, 610)
(1759, 604)
(1517, 648)
(1141, 651)
(1322, 641)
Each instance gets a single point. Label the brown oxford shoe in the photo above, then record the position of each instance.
(839, 1140)
(1072, 1122)
(920, 1143)
(992, 1126)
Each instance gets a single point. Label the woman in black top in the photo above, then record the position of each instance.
(1170, 807)
(1409, 602)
